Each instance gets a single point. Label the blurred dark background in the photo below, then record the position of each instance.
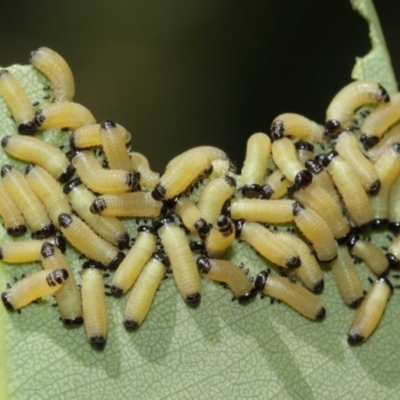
(182, 73)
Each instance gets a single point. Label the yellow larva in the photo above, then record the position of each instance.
(285, 157)
(229, 273)
(109, 228)
(113, 143)
(57, 71)
(144, 290)
(371, 254)
(267, 244)
(309, 272)
(34, 286)
(316, 230)
(94, 304)
(13, 220)
(183, 264)
(49, 191)
(315, 197)
(17, 100)
(82, 237)
(68, 298)
(213, 197)
(191, 217)
(370, 312)
(148, 178)
(101, 180)
(36, 151)
(295, 296)
(260, 210)
(130, 267)
(255, 164)
(220, 237)
(182, 172)
(89, 136)
(340, 112)
(28, 203)
(26, 251)
(63, 115)
(304, 151)
(297, 126)
(348, 147)
(275, 186)
(380, 120)
(354, 197)
(347, 278)
(136, 204)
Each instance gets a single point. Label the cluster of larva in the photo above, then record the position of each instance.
(319, 182)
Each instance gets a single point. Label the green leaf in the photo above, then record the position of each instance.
(220, 350)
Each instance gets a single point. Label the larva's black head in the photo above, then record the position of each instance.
(5, 169)
(232, 166)
(261, 280)
(238, 227)
(16, 230)
(303, 145)
(169, 204)
(374, 188)
(29, 168)
(229, 180)
(98, 342)
(58, 275)
(162, 257)
(353, 239)
(146, 229)
(132, 179)
(123, 241)
(332, 128)
(319, 158)
(277, 130)
(383, 96)
(114, 264)
(67, 174)
(396, 147)
(354, 339)
(72, 322)
(226, 208)
(27, 128)
(159, 223)
(89, 264)
(313, 166)
(393, 261)
(247, 297)
(267, 191)
(193, 300)
(59, 241)
(3, 73)
(107, 125)
(297, 208)
(379, 224)
(328, 158)
(394, 227)
(203, 228)
(64, 220)
(5, 141)
(131, 325)
(6, 301)
(47, 250)
(318, 287)
(45, 232)
(116, 291)
(98, 205)
(320, 314)
(345, 238)
(356, 303)
(251, 191)
(159, 192)
(293, 262)
(203, 264)
(40, 116)
(72, 185)
(224, 225)
(368, 140)
(197, 246)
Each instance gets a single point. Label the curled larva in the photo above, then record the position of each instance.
(304, 151)
(148, 178)
(275, 186)
(220, 237)
(57, 71)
